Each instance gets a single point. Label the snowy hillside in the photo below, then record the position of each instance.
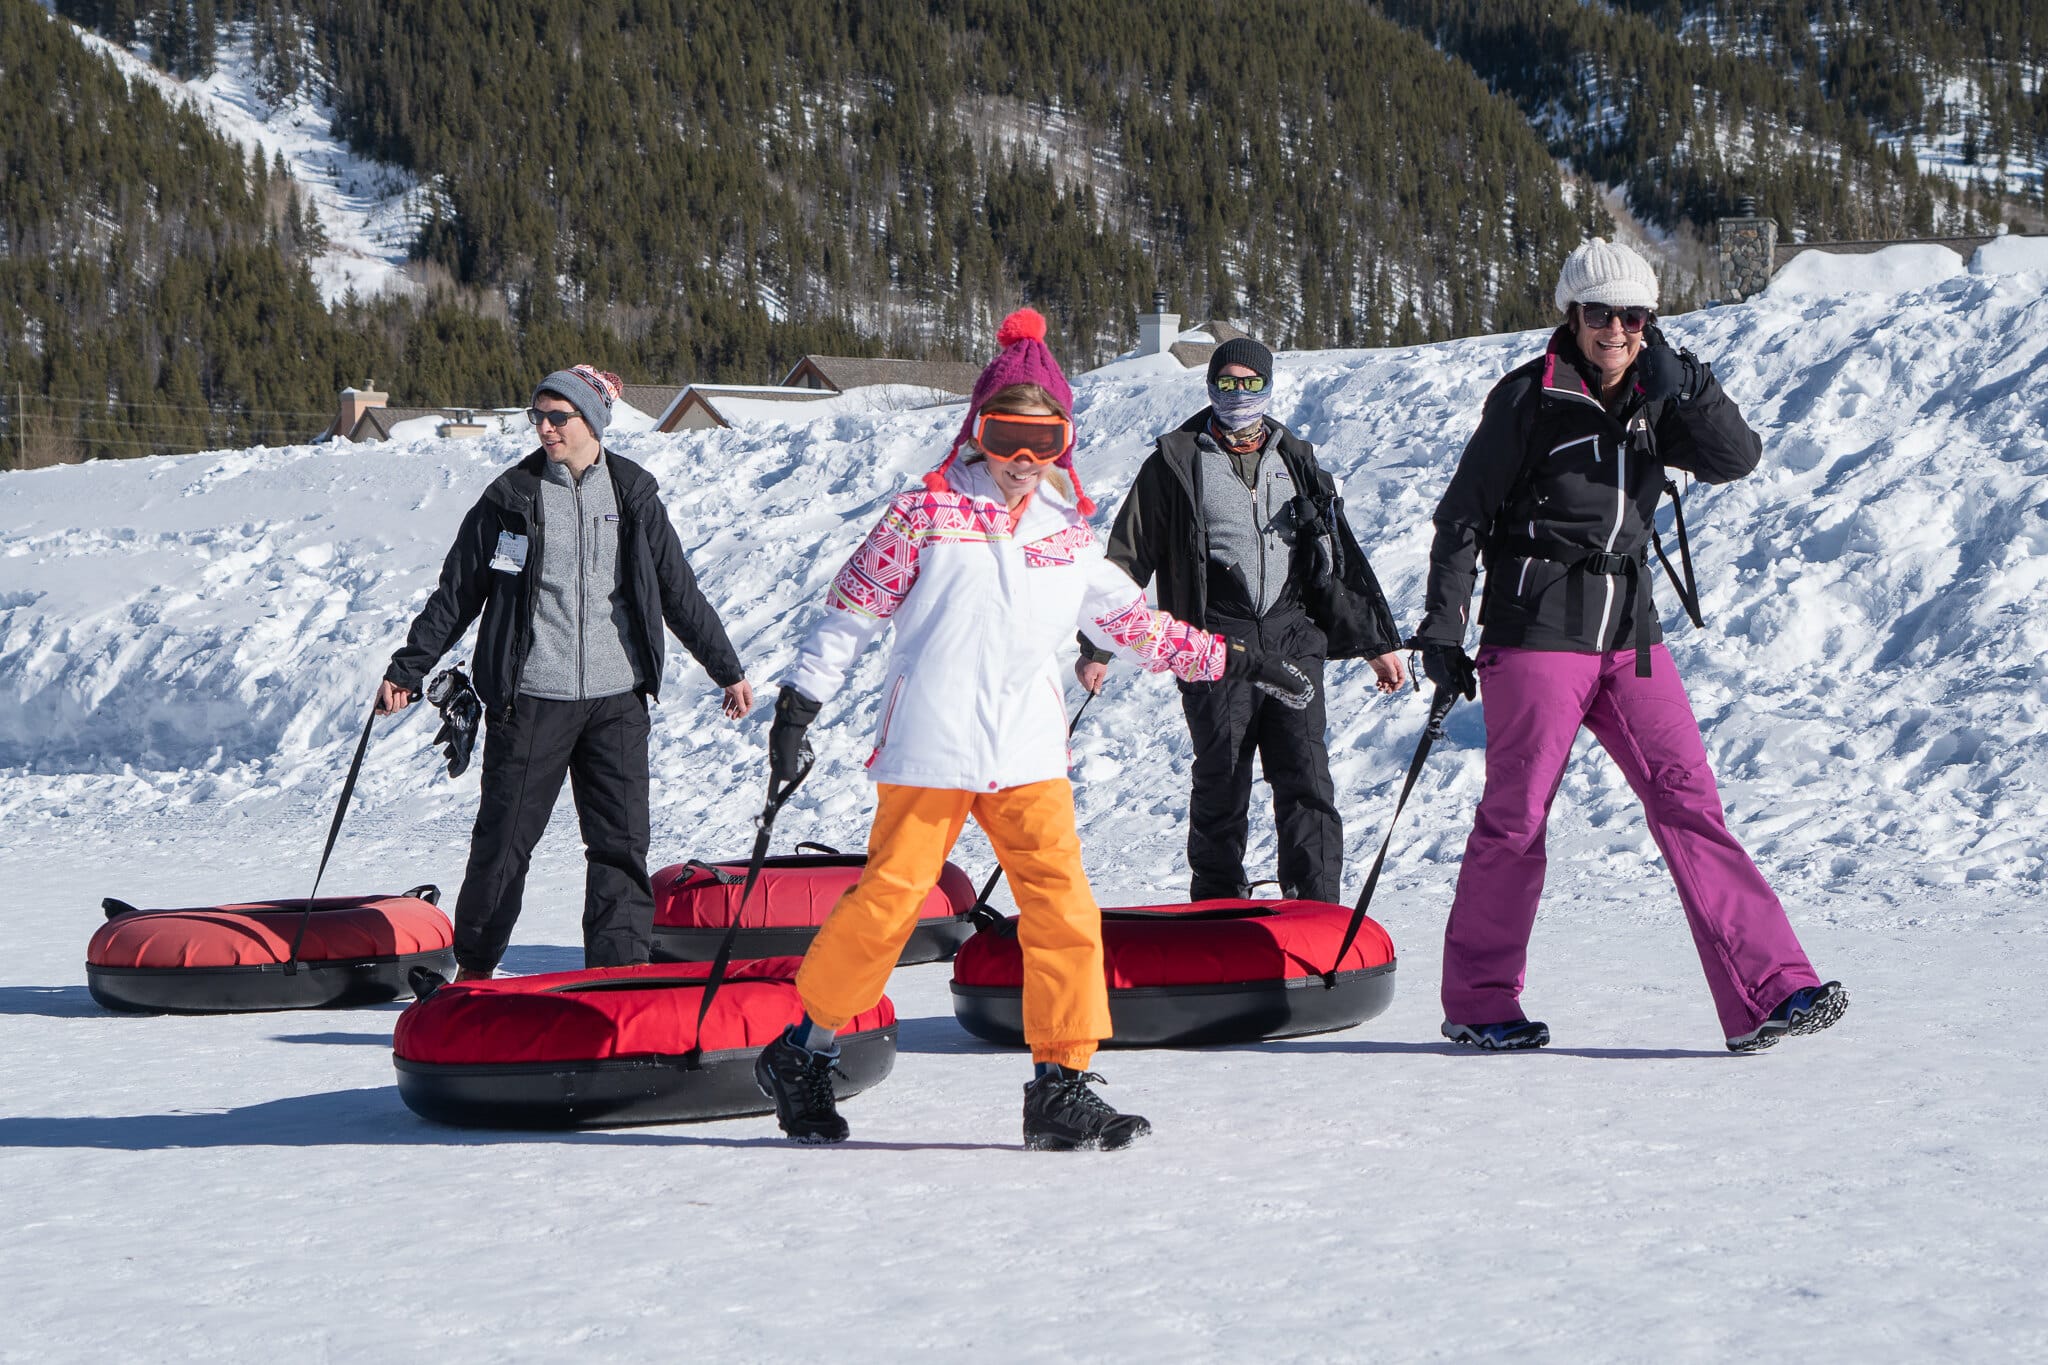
(189, 645)
(208, 627)
(371, 212)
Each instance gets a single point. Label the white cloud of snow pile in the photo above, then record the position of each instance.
(210, 627)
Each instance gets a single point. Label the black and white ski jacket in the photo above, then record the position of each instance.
(1557, 494)
(494, 567)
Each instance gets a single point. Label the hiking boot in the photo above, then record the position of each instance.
(1061, 1114)
(800, 1082)
(1807, 1010)
(1515, 1035)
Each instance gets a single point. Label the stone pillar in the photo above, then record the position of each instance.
(1743, 251)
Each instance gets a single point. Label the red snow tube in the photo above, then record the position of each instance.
(613, 1045)
(1221, 971)
(218, 959)
(695, 902)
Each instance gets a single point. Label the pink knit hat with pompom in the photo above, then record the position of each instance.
(1023, 359)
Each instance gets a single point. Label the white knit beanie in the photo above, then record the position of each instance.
(1606, 272)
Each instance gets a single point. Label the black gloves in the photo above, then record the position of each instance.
(1270, 673)
(1449, 667)
(789, 753)
(462, 712)
(1663, 373)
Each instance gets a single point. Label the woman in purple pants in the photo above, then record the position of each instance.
(1557, 489)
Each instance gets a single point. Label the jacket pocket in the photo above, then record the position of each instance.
(888, 719)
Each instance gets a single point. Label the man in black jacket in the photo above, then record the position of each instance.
(1557, 490)
(572, 563)
(1225, 513)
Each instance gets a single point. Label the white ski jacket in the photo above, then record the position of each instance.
(982, 609)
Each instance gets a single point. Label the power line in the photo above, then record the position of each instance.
(172, 407)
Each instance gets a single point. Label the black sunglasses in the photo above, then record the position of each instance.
(555, 416)
(1633, 318)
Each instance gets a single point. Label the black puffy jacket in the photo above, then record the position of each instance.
(1159, 533)
(1558, 494)
(660, 587)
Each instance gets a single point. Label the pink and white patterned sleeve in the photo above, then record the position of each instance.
(1116, 616)
(865, 593)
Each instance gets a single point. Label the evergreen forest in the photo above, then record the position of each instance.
(699, 190)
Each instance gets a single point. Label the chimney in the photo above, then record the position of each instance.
(464, 427)
(354, 403)
(1158, 328)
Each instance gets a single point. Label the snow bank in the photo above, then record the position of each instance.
(2011, 255)
(1893, 270)
(210, 627)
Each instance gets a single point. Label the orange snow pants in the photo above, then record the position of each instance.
(1066, 1001)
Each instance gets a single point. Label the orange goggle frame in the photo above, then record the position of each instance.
(1022, 436)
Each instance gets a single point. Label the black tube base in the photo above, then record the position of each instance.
(1197, 1016)
(615, 1093)
(934, 940)
(236, 990)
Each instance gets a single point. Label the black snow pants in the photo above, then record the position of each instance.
(1229, 722)
(602, 747)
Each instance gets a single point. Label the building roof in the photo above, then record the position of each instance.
(652, 399)
(844, 372)
(376, 423)
(702, 394)
(1195, 354)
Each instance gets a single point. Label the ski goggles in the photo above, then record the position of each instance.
(1596, 316)
(1023, 436)
(1239, 383)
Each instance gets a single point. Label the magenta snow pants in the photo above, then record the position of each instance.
(1534, 702)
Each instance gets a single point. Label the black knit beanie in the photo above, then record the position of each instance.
(1241, 351)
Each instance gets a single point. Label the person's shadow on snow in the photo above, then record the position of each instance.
(1446, 1048)
(372, 1117)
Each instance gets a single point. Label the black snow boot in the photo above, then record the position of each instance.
(1514, 1035)
(800, 1082)
(1061, 1114)
(1807, 1010)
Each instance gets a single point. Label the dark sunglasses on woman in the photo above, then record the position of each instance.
(1596, 316)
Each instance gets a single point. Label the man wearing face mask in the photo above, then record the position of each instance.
(1225, 513)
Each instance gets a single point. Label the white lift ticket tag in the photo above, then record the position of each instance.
(511, 555)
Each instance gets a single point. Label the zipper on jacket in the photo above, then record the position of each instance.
(888, 716)
(1620, 512)
(582, 588)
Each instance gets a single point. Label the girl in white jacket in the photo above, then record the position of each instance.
(985, 572)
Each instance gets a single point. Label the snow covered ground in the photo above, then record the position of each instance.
(188, 645)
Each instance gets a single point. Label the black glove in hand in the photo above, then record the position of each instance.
(1449, 667)
(789, 753)
(1663, 373)
(1270, 673)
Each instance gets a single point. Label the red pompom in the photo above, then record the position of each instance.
(1025, 323)
(936, 480)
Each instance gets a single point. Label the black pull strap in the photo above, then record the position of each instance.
(979, 912)
(348, 789)
(717, 874)
(825, 849)
(764, 825)
(1688, 591)
(116, 908)
(1439, 707)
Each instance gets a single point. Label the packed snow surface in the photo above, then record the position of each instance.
(188, 647)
